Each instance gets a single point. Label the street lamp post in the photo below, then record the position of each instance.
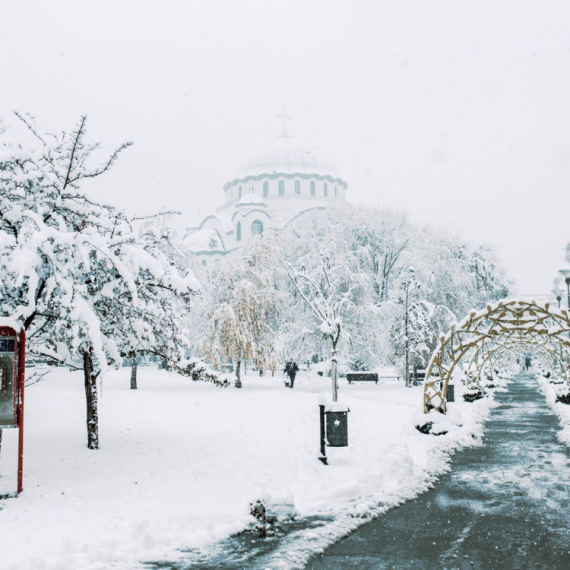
(566, 275)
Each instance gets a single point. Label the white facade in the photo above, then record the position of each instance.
(283, 179)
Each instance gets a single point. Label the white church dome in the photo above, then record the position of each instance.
(285, 155)
(282, 179)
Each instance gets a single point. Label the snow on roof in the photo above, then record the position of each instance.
(285, 155)
(252, 199)
(10, 322)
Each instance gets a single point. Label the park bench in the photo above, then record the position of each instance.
(420, 376)
(362, 377)
(369, 377)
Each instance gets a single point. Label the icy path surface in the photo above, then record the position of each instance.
(504, 505)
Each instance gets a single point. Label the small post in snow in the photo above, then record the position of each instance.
(323, 456)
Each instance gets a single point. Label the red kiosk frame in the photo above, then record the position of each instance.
(12, 376)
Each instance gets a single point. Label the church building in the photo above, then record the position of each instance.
(283, 179)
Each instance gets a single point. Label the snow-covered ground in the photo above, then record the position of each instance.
(180, 462)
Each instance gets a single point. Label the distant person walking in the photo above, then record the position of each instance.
(527, 362)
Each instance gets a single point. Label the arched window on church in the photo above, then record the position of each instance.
(256, 228)
(239, 192)
(326, 189)
(238, 231)
(335, 191)
(265, 189)
(281, 187)
(297, 186)
(312, 187)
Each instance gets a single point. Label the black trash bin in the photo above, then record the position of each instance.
(337, 429)
(450, 393)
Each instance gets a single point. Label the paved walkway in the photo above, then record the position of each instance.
(505, 504)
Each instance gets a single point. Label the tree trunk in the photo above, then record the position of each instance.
(134, 370)
(91, 399)
(238, 375)
(334, 377)
(0, 442)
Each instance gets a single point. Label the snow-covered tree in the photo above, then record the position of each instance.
(408, 326)
(350, 265)
(490, 281)
(244, 309)
(73, 270)
(162, 331)
(417, 325)
(384, 237)
(383, 246)
(325, 270)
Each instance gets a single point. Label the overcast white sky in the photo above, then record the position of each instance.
(457, 111)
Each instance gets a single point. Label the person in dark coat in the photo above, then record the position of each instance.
(291, 370)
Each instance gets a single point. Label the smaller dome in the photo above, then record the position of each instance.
(203, 239)
(285, 155)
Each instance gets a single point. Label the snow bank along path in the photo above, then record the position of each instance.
(180, 461)
(552, 388)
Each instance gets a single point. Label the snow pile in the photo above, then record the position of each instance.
(180, 462)
(553, 388)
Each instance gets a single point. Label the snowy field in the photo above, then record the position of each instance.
(180, 462)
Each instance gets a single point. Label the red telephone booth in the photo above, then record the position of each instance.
(12, 372)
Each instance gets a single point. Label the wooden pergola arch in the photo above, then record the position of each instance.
(485, 335)
(485, 356)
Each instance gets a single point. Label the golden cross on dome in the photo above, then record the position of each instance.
(284, 117)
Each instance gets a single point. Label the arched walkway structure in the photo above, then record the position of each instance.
(484, 358)
(484, 337)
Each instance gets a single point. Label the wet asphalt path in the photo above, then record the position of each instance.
(504, 505)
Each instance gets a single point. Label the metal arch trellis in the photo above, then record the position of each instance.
(490, 350)
(547, 355)
(498, 359)
(502, 326)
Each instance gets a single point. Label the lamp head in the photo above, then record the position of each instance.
(566, 274)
